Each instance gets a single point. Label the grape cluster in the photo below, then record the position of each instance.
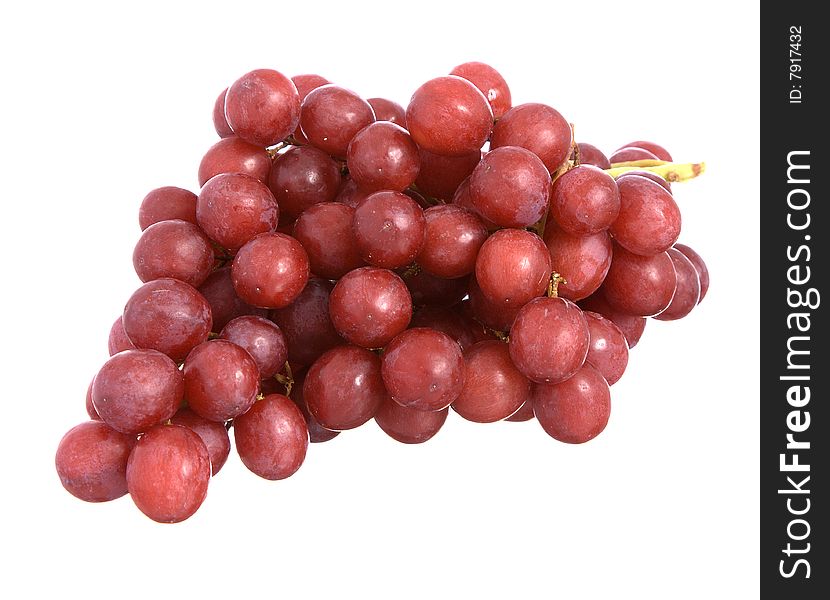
(348, 260)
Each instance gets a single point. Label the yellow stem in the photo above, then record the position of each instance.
(669, 171)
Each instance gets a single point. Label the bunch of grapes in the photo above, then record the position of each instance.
(348, 260)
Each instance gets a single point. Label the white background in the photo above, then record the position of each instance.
(101, 104)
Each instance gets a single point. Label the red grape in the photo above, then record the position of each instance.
(262, 339)
(549, 340)
(525, 413)
(449, 321)
(270, 270)
(303, 177)
(386, 110)
(166, 203)
(489, 82)
(591, 155)
(325, 231)
(304, 84)
(608, 352)
(429, 290)
(631, 153)
(137, 389)
(272, 437)
(389, 229)
(382, 156)
(687, 293)
(449, 116)
(234, 155)
(90, 407)
(657, 150)
(423, 369)
(168, 473)
(214, 435)
(582, 260)
(700, 267)
(453, 238)
(220, 123)
(496, 315)
(91, 461)
(176, 249)
(370, 306)
(409, 425)
(584, 200)
(118, 339)
(513, 267)
(262, 107)
(316, 432)
(639, 285)
(331, 116)
(632, 326)
(350, 195)
(575, 410)
(648, 175)
(224, 303)
(221, 380)
(538, 128)
(440, 176)
(649, 219)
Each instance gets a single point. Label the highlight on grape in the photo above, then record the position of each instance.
(349, 260)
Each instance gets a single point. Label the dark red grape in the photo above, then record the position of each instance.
(409, 425)
(344, 388)
(657, 150)
(331, 116)
(118, 339)
(608, 352)
(262, 339)
(494, 388)
(169, 316)
(166, 203)
(447, 320)
(700, 267)
(214, 435)
(350, 195)
(510, 187)
(90, 407)
(224, 303)
(176, 249)
(221, 380)
(631, 153)
(452, 240)
(382, 156)
(449, 116)
(262, 107)
(513, 267)
(582, 260)
(272, 437)
(91, 461)
(489, 82)
(304, 84)
(591, 155)
(389, 229)
(584, 200)
(648, 175)
(423, 369)
(440, 176)
(168, 473)
(233, 208)
(428, 290)
(303, 177)
(137, 389)
(496, 315)
(687, 292)
(325, 231)
(537, 127)
(649, 219)
(575, 410)
(632, 326)
(220, 123)
(639, 285)
(316, 432)
(370, 306)
(387, 110)
(525, 413)
(234, 155)
(270, 270)
(549, 340)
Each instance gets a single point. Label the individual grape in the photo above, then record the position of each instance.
(350, 195)
(687, 292)
(169, 316)
(214, 435)
(549, 340)
(325, 232)
(176, 249)
(370, 306)
(409, 425)
(525, 413)
(649, 219)
(700, 267)
(331, 116)
(428, 290)
(344, 388)
(91, 461)
(513, 267)
(262, 339)
(118, 339)
(639, 285)
(233, 208)
(478, 332)
(657, 150)
(608, 352)
(453, 237)
(496, 315)
(440, 176)
(489, 82)
(423, 369)
(446, 320)
(316, 432)
(272, 437)
(631, 325)
(382, 156)
(631, 153)
(386, 110)
(168, 473)
(234, 155)
(464, 199)
(90, 407)
(224, 303)
(591, 155)
(307, 325)
(582, 260)
(538, 128)
(137, 389)
(389, 228)
(221, 380)
(262, 107)
(494, 388)
(449, 116)
(166, 203)
(302, 177)
(304, 84)
(648, 175)
(576, 410)
(584, 200)
(510, 187)
(220, 123)
(270, 270)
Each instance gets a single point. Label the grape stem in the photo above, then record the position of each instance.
(667, 170)
(553, 284)
(287, 380)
